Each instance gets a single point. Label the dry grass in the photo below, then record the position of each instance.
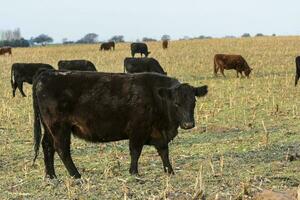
(245, 128)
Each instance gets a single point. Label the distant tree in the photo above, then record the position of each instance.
(11, 34)
(185, 38)
(43, 39)
(246, 35)
(117, 39)
(145, 39)
(15, 43)
(259, 35)
(166, 37)
(273, 34)
(88, 38)
(64, 40)
(229, 36)
(201, 37)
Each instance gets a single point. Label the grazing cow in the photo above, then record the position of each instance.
(79, 65)
(165, 44)
(25, 72)
(145, 108)
(137, 65)
(237, 62)
(107, 46)
(297, 70)
(138, 47)
(4, 50)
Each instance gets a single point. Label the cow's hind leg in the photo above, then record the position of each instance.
(222, 71)
(20, 87)
(14, 87)
(49, 151)
(62, 140)
(164, 154)
(135, 152)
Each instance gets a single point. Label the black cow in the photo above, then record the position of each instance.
(79, 65)
(297, 70)
(146, 108)
(137, 65)
(25, 72)
(139, 48)
(107, 46)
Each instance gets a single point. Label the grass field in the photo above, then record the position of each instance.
(245, 128)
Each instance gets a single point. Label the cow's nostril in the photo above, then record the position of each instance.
(188, 124)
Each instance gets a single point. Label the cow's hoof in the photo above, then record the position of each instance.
(133, 172)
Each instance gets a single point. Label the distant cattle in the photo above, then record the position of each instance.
(237, 62)
(165, 44)
(107, 46)
(137, 65)
(139, 48)
(144, 108)
(297, 70)
(78, 65)
(4, 50)
(25, 72)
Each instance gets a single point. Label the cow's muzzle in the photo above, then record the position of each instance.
(187, 125)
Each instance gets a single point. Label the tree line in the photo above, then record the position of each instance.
(14, 38)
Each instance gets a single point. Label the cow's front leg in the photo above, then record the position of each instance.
(135, 152)
(164, 154)
(242, 76)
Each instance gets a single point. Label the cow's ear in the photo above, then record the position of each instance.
(201, 91)
(165, 93)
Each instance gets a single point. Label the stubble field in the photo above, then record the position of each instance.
(246, 129)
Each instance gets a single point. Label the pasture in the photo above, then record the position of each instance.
(246, 129)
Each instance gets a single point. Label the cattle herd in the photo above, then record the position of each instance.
(144, 105)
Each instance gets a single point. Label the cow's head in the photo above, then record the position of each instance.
(248, 71)
(181, 103)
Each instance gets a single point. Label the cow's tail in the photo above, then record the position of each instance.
(215, 67)
(37, 122)
(12, 77)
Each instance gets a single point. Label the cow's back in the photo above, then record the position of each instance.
(138, 65)
(79, 65)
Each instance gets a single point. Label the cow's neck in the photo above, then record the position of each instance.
(168, 126)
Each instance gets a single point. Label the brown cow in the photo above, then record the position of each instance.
(237, 62)
(165, 44)
(4, 50)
